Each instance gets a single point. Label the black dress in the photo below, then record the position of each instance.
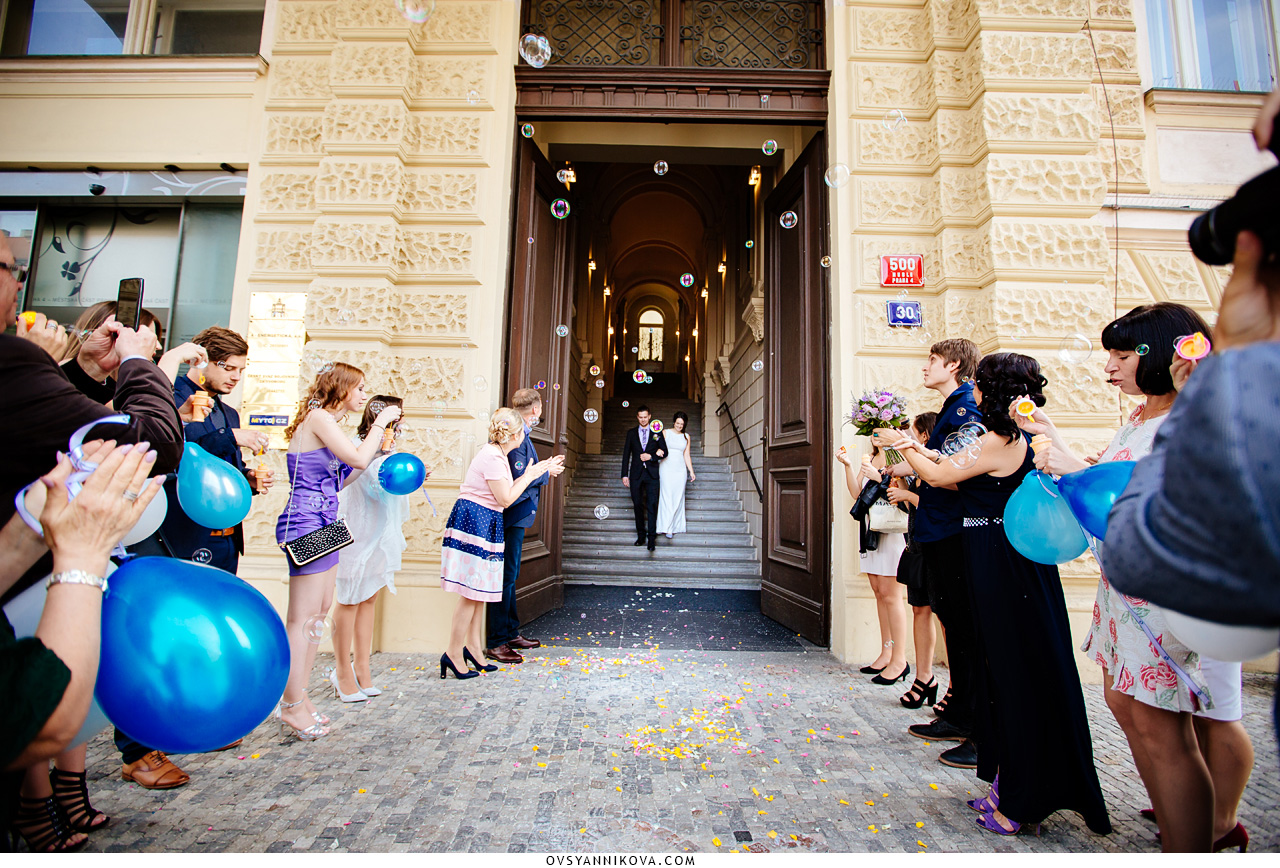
(1031, 724)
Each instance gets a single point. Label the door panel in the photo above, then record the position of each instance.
(796, 575)
(539, 301)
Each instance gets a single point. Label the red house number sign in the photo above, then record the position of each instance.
(904, 270)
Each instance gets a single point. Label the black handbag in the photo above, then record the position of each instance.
(871, 492)
(320, 542)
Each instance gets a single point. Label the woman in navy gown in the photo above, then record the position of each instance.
(1031, 729)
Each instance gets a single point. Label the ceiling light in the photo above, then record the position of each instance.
(704, 293)
(722, 268)
(754, 179)
(695, 333)
(591, 265)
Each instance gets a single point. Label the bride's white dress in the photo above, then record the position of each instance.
(672, 476)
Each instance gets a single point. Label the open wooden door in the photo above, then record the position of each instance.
(796, 574)
(540, 300)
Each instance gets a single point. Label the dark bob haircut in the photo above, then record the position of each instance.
(1158, 326)
(1002, 377)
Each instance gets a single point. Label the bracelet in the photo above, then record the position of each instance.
(76, 577)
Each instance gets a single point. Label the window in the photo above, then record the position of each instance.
(1211, 44)
(651, 323)
(97, 27)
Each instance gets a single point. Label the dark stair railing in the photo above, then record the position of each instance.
(724, 408)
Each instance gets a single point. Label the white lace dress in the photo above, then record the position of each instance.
(376, 520)
(672, 478)
(1116, 642)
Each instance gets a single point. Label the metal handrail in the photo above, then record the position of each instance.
(724, 407)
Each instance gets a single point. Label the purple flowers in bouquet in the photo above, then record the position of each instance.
(879, 409)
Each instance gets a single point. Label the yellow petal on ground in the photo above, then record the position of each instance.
(535, 747)
(619, 789)
(583, 831)
(772, 834)
(762, 813)
(778, 761)
(933, 786)
(869, 803)
(255, 756)
(843, 802)
(362, 790)
(542, 765)
(768, 798)
(715, 841)
(922, 843)
(794, 838)
(919, 825)
(755, 791)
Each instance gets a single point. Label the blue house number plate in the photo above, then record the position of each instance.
(903, 313)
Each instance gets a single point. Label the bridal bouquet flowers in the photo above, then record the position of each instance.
(879, 409)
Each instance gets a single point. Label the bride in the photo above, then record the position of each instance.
(672, 476)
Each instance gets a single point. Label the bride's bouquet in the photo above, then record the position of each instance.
(879, 409)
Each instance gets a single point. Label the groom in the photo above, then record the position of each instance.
(640, 459)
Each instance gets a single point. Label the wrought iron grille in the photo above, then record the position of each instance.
(752, 34)
(599, 32)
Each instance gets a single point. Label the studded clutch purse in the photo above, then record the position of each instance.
(318, 543)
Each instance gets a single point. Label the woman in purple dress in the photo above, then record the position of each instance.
(320, 456)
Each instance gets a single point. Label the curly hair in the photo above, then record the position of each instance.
(504, 424)
(1002, 377)
(328, 391)
(1158, 326)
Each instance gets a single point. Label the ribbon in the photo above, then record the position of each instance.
(429, 503)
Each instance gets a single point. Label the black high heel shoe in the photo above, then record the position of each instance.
(880, 679)
(446, 663)
(871, 670)
(921, 693)
(483, 667)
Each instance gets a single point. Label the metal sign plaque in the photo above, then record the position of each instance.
(902, 270)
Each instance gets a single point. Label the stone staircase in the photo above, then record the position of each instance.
(716, 551)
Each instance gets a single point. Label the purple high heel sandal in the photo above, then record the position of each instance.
(988, 803)
(989, 822)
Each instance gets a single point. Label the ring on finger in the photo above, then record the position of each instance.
(130, 496)
(51, 325)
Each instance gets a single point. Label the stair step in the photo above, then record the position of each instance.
(656, 564)
(748, 583)
(625, 550)
(620, 524)
(622, 536)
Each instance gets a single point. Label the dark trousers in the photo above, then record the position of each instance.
(644, 498)
(503, 622)
(947, 580)
(130, 750)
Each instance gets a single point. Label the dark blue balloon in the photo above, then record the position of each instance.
(211, 492)
(1039, 524)
(1093, 491)
(193, 658)
(402, 473)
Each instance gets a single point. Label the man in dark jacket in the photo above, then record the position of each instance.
(644, 450)
(504, 639)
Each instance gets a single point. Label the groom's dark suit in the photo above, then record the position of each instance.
(643, 477)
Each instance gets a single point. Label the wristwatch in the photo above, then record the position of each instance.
(76, 577)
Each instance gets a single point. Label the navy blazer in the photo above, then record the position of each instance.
(215, 436)
(632, 466)
(939, 514)
(524, 510)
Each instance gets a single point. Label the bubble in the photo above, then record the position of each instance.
(202, 556)
(1142, 349)
(902, 293)
(315, 503)
(769, 148)
(519, 465)
(750, 244)
(599, 384)
(757, 365)
(562, 331)
(764, 100)
(318, 628)
(1085, 381)
(686, 279)
(335, 465)
(656, 426)
(626, 404)
(542, 384)
(589, 415)
(417, 11)
(473, 97)
(530, 239)
(480, 384)
(894, 120)
(346, 315)
(313, 404)
(788, 220)
(648, 378)
(556, 387)
(526, 130)
(1019, 332)
(602, 512)
(635, 349)
(1075, 349)
(494, 563)
(535, 49)
(594, 370)
(563, 176)
(638, 375)
(837, 175)
(406, 433)
(559, 209)
(825, 262)
(415, 367)
(660, 167)
(326, 367)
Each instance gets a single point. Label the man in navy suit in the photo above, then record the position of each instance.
(222, 437)
(504, 641)
(644, 450)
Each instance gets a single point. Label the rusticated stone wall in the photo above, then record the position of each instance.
(381, 190)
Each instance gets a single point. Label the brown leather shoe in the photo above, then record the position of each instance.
(155, 771)
(503, 654)
(524, 644)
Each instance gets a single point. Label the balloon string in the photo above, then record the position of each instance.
(1040, 478)
(429, 503)
(81, 470)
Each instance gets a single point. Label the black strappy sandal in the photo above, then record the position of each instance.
(42, 825)
(921, 693)
(71, 791)
(940, 707)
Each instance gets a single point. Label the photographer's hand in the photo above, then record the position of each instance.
(1250, 308)
(1265, 122)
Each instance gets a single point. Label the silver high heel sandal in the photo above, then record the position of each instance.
(311, 733)
(358, 696)
(367, 691)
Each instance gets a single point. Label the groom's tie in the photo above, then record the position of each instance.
(644, 439)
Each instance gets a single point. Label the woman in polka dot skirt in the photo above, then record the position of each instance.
(471, 560)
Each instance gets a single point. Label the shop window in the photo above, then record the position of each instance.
(1211, 44)
(65, 26)
(651, 323)
(97, 27)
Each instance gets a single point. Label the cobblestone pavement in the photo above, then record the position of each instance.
(633, 747)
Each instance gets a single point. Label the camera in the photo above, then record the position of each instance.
(1213, 234)
(97, 189)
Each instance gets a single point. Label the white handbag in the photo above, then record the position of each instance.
(884, 517)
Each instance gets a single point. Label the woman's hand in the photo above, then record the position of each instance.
(82, 532)
(46, 334)
(388, 415)
(869, 471)
(1055, 460)
(1038, 423)
(898, 495)
(1181, 371)
(843, 457)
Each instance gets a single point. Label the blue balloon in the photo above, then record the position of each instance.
(211, 492)
(401, 473)
(1039, 524)
(192, 657)
(1093, 491)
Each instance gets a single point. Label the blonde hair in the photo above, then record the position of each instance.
(505, 424)
(328, 391)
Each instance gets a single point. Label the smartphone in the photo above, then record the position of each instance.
(129, 302)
